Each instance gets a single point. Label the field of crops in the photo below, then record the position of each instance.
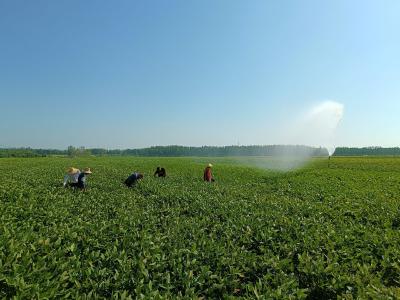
(314, 233)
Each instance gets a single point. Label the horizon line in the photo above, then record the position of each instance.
(188, 146)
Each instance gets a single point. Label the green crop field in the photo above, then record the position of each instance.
(315, 233)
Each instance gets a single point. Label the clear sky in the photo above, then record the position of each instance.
(127, 74)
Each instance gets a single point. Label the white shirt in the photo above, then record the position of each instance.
(71, 178)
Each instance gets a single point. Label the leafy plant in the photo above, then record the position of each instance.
(315, 233)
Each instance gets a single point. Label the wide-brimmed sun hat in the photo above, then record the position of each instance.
(87, 171)
(72, 170)
(210, 165)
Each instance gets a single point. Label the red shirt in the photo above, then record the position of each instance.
(207, 174)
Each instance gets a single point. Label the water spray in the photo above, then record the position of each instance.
(316, 127)
(325, 119)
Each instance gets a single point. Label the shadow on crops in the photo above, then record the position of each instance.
(7, 291)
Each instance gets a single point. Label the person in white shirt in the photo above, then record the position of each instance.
(71, 176)
(81, 183)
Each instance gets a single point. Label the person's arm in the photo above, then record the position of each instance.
(66, 177)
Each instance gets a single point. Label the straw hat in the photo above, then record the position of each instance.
(72, 170)
(210, 165)
(87, 171)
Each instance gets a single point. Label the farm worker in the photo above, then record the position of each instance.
(71, 176)
(208, 174)
(160, 172)
(81, 184)
(132, 179)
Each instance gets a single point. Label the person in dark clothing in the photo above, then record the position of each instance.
(132, 179)
(163, 173)
(160, 172)
(81, 183)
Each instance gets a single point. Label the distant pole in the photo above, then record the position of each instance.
(329, 161)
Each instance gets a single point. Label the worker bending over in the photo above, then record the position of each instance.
(133, 179)
(71, 176)
(160, 172)
(76, 179)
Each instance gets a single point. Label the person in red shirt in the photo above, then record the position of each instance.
(208, 174)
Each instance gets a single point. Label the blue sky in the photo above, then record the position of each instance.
(126, 74)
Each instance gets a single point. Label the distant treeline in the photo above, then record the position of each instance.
(28, 152)
(272, 150)
(367, 151)
(169, 151)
